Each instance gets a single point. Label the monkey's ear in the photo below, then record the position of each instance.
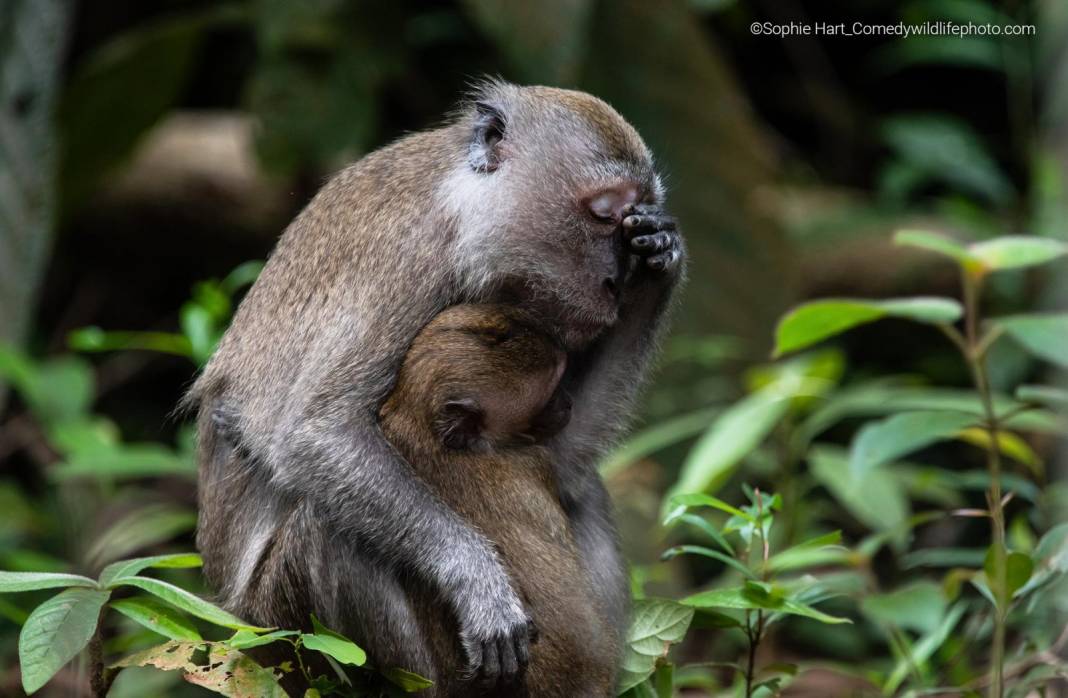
(484, 153)
(459, 424)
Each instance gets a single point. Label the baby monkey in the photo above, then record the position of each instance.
(476, 395)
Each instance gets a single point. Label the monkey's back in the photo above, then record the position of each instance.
(512, 499)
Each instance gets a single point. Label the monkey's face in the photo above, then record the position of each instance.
(485, 377)
(554, 170)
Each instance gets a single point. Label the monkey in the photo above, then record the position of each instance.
(541, 198)
(475, 397)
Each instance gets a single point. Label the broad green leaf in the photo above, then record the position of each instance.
(157, 617)
(815, 321)
(333, 644)
(246, 639)
(1009, 444)
(821, 550)
(917, 606)
(142, 528)
(887, 512)
(31, 581)
(650, 440)
(885, 440)
(128, 568)
(187, 602)
(126, 461)
(1057, 398)
(56, 632)
(55, 390)
(744, 598)
(656, 624)
(733, 435)
(933, 242)
(1045, 335)
(1018, 570)
(1016, 251)
(407, 681)
(924, 648)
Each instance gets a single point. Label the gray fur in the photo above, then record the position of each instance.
(305, 507)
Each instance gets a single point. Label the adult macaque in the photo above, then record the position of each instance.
(540, 198)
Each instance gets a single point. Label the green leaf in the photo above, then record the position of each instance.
(333, 644)
(94, 339)
(1009, 444)
(813, 322)
(737, 431)
(1057, 398)
(142, 528)
(157, 617)
(924, 648)
(887, 439)
(1016, 251)
(707, 552)
(656, 624)
(887, 512)
(246, 639)
(241, 276)
(56, 632)
(933, 242)
(407, 681)
(32, 581)
(745, 598)
(128, 568)
(650, 440)
(189, 603)
(200, 327)
(821, 550)
(680, 502)
(126, 461)
(1044, 335)
(55, 390)
(918, 606)
(1018, 570)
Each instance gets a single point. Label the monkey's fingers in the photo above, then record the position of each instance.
(491, 664)
(640, 224)
(508, 650)
(664, 261)
(648, 245)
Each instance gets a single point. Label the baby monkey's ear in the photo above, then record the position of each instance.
(459, 423)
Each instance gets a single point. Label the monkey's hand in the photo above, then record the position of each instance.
(652, 237)
(496, 635)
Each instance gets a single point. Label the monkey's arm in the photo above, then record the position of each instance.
(604, 385)
(367, 492)
(605, 379)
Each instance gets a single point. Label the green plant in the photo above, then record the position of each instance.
(61, 627)
(1004, 573)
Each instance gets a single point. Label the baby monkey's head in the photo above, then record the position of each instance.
(483, 376)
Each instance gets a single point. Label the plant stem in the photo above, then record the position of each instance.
(754, 642)
(976, 357)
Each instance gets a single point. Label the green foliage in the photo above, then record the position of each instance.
(788, 426)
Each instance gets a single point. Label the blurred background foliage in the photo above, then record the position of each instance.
(147, 148)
